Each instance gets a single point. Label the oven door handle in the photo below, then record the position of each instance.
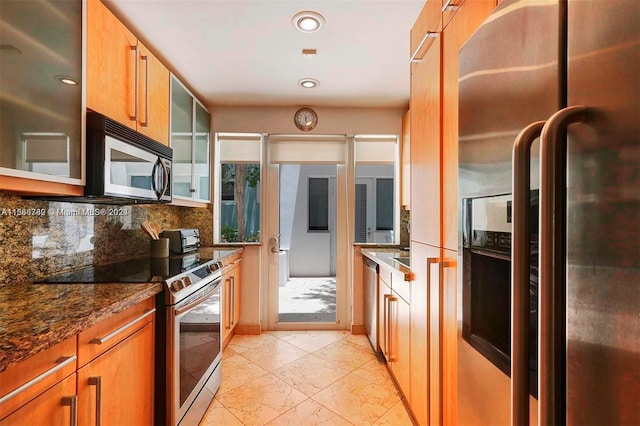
(182, 309)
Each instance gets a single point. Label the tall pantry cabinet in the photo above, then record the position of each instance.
(436, 37)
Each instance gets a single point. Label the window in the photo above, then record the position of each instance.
(384, 204)
(377, 208)
(238, 167)
(318, 204)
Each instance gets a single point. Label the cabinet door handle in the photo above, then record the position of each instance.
(551, 273)
(145, 123)
(390, 322)
(136, 80)
(232, 300)
(386, 324)
(60, 364)
(97, 382)
(228, 300)
(448, 6)
(72, 402)
(520, 252)
(102, 340)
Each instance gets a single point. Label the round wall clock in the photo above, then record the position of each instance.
(305, 119)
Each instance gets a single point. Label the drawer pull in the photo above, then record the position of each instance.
(102, 340)
(97, 382)
(72, 402)
(61, 363)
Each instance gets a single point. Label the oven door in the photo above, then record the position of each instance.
(194, 350)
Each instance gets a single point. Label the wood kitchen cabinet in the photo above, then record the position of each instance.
(434, 201)
(116, 368)
(106, 371)
(425, 146)
(53, 407)
(45, 370)
(405, 171)
(230, 301)
(393, 329)
(41, 132)
(125, 81)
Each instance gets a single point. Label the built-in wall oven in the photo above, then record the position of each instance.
(486, 280)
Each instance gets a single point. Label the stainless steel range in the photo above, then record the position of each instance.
(192, 342)
(188, 331)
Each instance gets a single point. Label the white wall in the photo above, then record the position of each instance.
(310, 252)
(330, 120)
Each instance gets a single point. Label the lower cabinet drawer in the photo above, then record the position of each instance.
(23, 382)
(108, 333)
(57, 406)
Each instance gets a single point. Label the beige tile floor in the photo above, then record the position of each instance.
(304, 378)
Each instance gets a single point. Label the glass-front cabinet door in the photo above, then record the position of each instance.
(190, 129)
(41, 129)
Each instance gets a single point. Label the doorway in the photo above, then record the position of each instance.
(306, 275)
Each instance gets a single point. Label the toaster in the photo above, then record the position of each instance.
(182, 240)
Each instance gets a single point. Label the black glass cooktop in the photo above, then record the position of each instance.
(138, 270)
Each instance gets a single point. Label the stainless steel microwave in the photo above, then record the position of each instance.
(124, 166)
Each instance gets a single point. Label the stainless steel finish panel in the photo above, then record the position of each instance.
(370, 291)
(508, 79)
(603, 212)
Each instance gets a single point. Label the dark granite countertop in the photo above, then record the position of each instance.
(384, 257)
(34, 317)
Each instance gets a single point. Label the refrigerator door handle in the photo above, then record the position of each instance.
(520, 255)
(551, 281)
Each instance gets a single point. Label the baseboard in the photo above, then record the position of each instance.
(250, 329)
(358, 329)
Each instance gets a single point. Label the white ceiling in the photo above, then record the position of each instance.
(244, 52)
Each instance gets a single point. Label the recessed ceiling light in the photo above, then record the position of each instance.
(66, 80)
(308, 83)
(308, 21)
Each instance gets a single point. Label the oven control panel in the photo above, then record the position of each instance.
(191, 280)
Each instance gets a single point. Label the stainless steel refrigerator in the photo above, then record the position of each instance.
(549, 288)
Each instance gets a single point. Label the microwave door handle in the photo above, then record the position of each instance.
(165, 179)
(153, 178)
(551, 280)
(520, 255)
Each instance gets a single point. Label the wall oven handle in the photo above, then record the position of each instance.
(145, 123)
(103, 340)
(551, 281)
(134, 117)
(182, 309)
(97, 382)
(72, 402)
(60, 364)
(520, 258)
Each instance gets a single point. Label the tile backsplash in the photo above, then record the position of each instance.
(40, 238)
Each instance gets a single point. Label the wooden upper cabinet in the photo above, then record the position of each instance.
(124, 80)
(429, 20)
(425, 147)
(405, 171)
(154, 96)
(464, 23)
